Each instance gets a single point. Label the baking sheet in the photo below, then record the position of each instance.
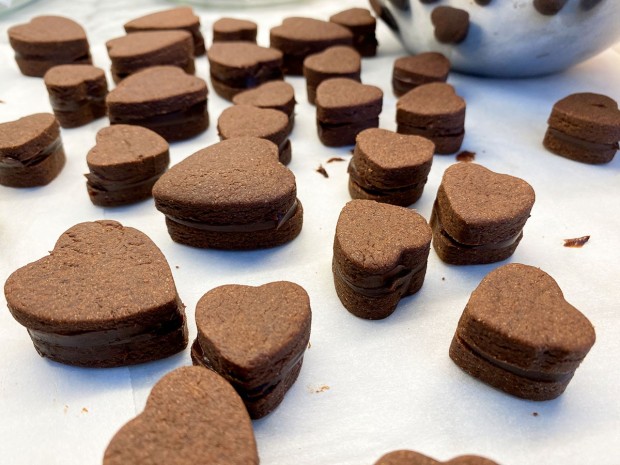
(366, 387)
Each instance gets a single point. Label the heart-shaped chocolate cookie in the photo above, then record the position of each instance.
(409, 457)
(255, 337)
(104, 297)
(412, 71)
(519, 334)
(380, 255)
(479, 215)
(47, 41)
(338, 61)
(191, 416)
(451, 24)
(362, 25)
(234, 29)
(277, 95)
(232, 195)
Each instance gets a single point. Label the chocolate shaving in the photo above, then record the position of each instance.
(576, 242)
(322, 170)
(466, 156)
(535, 414)
(333, 159)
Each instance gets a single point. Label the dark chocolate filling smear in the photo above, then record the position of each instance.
(431, 132)
(102, 184)
(60, 105)
(274, 224)
(436, 217)
(531, 375)
(109, 337)
(377, 190)
(397, 280)
(255, 393)
(581, 143)
(186, 115)
(39, 157)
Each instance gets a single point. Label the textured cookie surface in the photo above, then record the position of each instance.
(342, 100)
(191, 416)
(408, 457)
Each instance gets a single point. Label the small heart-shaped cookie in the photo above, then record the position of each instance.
(175, 18)
(234, 30)
(451, 24)
(518, 334)
(277, 95)
(237, 66)
(31, 151)
(412, 71)
(191, 416)
(104, 297)
(433, 111)
(344, 108)
(479, 215)
(124, 164)
(389, 167)
(132, 52)
(298, 37)
(265, 123)
(232, 195)
(163, 99)
(409, 457)
(338, 61)
(380, 255)
(47, 41)
(362, 25)
(255, 337)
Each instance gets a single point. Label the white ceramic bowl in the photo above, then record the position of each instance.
(509, 38)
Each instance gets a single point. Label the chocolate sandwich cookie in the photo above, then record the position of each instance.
(344, 108)
(479, 215)
(174, 18)
(380, 255)
(124, 164)
(191, 416)
(338, 61)
(389, 167)
(255, 337)
(519, 334)
(31, 152)
(77, 93)
(104, 297)
(584, 127)
(232, 195)
(433, 111)
(409, 457)
(48, 41)
(234, 29)
(299, 37)
(134, 52)
(412, 71)
(277, 95)
(362, 25)
(265, 123)
(238, 66)
(164, 99)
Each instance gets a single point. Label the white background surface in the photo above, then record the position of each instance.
(366, 387)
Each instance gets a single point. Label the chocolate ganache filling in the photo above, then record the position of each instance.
(39, 157)
(185, 115)
(378, 190)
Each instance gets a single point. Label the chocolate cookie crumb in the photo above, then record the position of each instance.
(333, 159)
(577, 242)
(534, 414)
(451, 24)
(466, 156)
(322, 170)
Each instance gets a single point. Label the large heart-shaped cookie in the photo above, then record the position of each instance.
(232, 195)
(191, 416)
(478, 216)
(255, 337)
(518, 334)
(409, 457)
(380, 255)
(104, 297)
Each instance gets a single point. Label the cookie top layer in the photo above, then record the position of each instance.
(72, 75)
(341, 99)
(225, 26)
(300, 29)
(374, 237)
(430, 65)
(241, 54)
(409, 457)
(479, 206)
(100, 275)
(354, 17)
(28, 136)
(518, 314)
(253, 328)
(271, 94)
(46, 35)
(339, 59)
(191, 416)
(392, 151)
(147, 42)
(174, 18)
(250, 121)
(237, 181)
(424, 104)
(156, 90)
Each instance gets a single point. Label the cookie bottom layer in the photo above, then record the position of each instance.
(578, 149)
(338, 135)
(38, 171)
(271, 394)
(115, 347)
(402, 197)
(499, 378)
(445, 142)
(184, 233)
